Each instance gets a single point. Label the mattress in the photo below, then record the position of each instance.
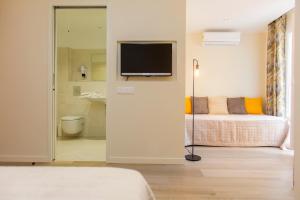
(237, 130)
(76, 183)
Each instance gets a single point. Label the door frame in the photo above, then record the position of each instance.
(52, 69)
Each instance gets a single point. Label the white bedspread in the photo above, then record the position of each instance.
(237, 130)
(72, 183)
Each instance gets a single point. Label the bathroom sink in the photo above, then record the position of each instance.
(98, 99)
(93, 96)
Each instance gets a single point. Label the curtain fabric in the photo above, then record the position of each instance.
(276, 66)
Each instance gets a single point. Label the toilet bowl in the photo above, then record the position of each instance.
(72, 125)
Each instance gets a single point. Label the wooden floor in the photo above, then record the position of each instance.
(223, 174)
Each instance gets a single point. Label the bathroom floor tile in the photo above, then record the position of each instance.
(80, 150)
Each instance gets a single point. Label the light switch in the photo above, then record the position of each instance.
(125, 90)
(76, 90)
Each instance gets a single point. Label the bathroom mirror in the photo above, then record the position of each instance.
(83, 64)
(86, 64)
(98, 67)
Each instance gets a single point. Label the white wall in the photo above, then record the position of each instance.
(228, 70)
(297, 105)
(145, 127)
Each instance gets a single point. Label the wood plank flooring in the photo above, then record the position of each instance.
(223, 174)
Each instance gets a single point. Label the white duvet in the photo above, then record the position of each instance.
(237, 130)
(72, 183)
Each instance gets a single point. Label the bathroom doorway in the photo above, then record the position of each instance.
(80, 84)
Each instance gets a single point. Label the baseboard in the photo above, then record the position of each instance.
(22, 158)
(95, 138)
(145, 160)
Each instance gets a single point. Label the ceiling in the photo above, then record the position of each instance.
(234, 15)
(81, 28)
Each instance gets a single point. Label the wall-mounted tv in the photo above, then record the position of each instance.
(146, 59)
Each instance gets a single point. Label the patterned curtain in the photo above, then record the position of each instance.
(276, 65)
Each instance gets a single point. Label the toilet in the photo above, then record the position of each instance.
(72, 125)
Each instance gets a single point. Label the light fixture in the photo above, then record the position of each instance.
(197, 71)
(192, 156)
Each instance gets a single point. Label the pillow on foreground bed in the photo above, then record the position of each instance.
(201, 105)
(254, 106)
(217, 105)
(236, 105)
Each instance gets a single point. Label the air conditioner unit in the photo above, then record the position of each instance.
(221, 38)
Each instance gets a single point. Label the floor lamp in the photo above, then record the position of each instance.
(192, 156)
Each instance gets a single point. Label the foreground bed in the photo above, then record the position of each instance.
(81, 183)
(237, 130)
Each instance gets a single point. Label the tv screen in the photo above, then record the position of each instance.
(151, 59)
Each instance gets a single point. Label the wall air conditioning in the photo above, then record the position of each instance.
(221, 38)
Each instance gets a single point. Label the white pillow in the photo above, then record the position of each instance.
(218, 105)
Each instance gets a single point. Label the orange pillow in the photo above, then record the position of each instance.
(254, 106)
(188, 105)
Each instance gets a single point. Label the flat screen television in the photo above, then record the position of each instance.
(146, 59)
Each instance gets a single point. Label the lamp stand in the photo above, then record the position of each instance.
(192, 156)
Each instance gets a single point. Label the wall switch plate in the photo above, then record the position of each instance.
(125, 90)
(76, 90)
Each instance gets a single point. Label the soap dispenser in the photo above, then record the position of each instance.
(83, 71)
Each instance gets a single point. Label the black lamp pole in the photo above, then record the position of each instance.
(192, 156)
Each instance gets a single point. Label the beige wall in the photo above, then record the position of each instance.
(87, 28)
(228, 70)
(149, 125)
(290, 21)
(24, 52)
(297, 105)
(145, 127)
(291, 30)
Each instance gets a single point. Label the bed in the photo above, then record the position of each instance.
(237, 130)
(76, 183)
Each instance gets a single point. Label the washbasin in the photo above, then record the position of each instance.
(93, 96)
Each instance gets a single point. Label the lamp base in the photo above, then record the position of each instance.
(192, 157)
